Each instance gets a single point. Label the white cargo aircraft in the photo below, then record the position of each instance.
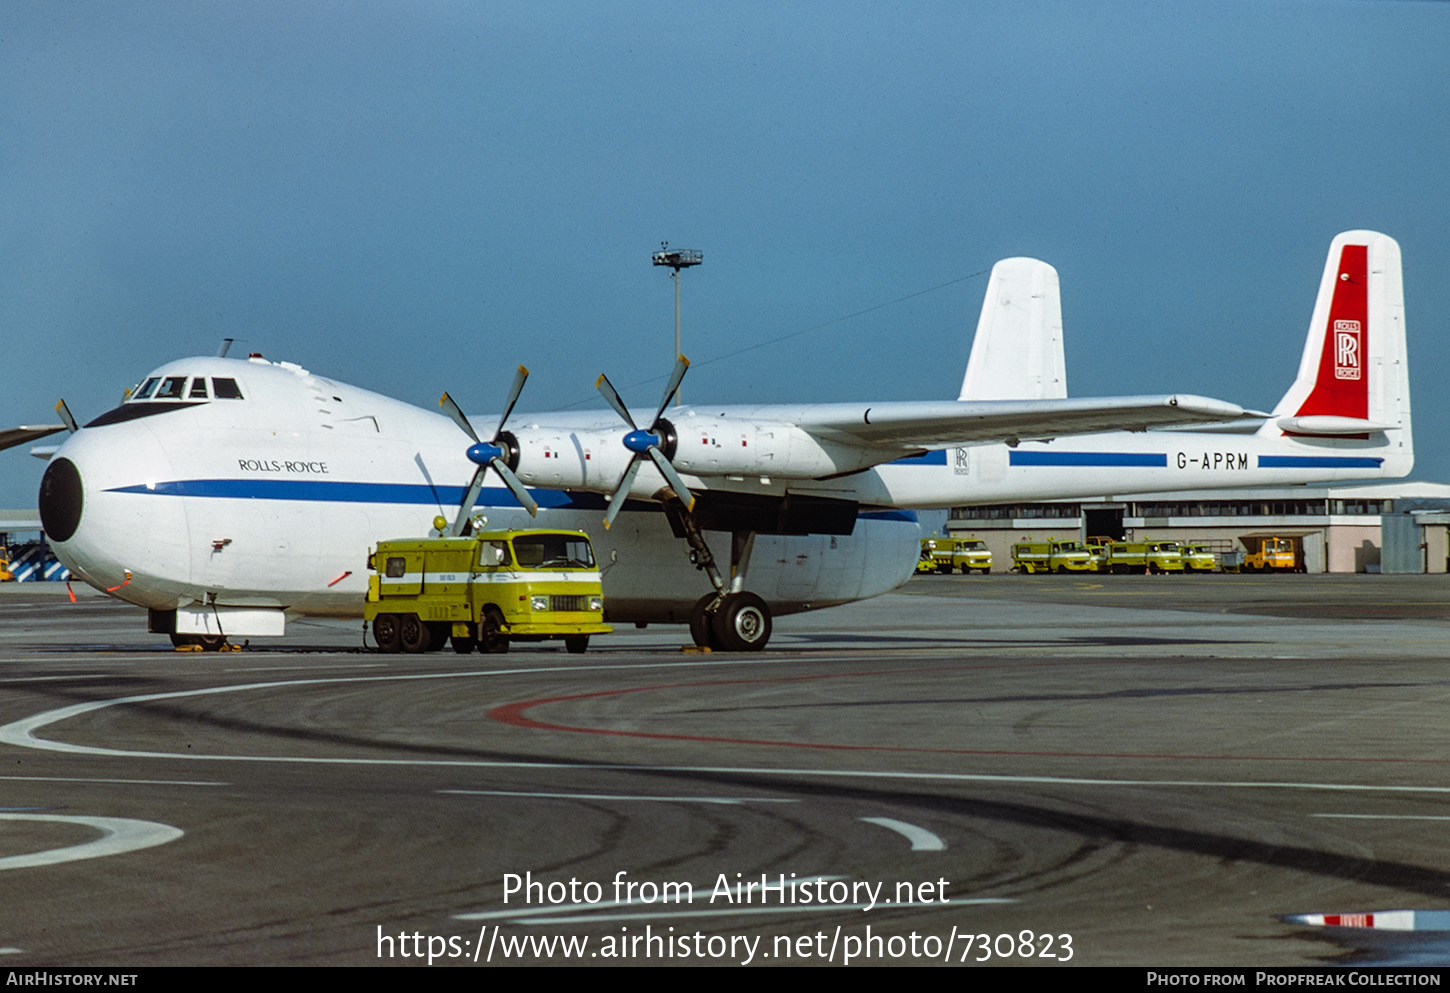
(227, 494)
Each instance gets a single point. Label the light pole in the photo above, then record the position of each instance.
(676, 259)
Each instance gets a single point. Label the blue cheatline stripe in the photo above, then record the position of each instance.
(1087, 458)
(888, 515)
(1318, 462)
(329, 491)
(422, 494)
(938, 457)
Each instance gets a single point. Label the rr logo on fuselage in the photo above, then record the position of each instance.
(1347, 349)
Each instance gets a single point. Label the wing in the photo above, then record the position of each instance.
(897, 428)
(10, 437)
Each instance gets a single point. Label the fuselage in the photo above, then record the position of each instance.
(274, 497)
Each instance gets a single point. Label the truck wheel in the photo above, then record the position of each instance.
(206, 642)
(742, 624)
(491, 638)
(413, 634)
(576, 644)
(385, 632)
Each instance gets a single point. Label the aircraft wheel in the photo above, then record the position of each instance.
(576, 644)
(413, 634)
(491, 638)
(386, 632)
(742, 624)
(701, 630)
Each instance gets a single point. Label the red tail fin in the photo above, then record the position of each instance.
(1342, 386)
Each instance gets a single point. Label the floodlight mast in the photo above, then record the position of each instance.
(676, 259)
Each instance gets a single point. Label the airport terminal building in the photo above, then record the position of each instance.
(1395, 527)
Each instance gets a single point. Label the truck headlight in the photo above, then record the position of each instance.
(539, 601)
(596, 603)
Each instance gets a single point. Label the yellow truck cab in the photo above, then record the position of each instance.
(1051, 556)
(1145, 556)
(945, 554)
(1198, 558)
(484, 591)
(1272, 555)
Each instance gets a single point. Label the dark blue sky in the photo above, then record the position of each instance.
(420, 196)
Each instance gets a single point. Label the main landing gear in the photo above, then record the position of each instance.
(731, 619)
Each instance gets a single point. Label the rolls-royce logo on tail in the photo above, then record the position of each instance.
(1346, 349)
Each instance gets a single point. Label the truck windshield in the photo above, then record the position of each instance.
(553, 551)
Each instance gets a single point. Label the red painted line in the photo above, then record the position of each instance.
(514, 714)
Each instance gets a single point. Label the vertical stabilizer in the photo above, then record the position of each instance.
(1353, 379)
(1017, 353)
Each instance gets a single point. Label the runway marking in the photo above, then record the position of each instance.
(294, 668)
(120, 782)
(21, 734)
(619, 796)
(1386, 817)
(118, 835)
(921, 839)
(52, 679)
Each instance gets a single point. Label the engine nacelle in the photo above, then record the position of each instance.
(595, 458)
(722, 446)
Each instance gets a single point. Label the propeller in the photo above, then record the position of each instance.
(646, 443)
(66, 417)
(491, 454)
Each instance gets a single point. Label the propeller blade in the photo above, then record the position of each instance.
(676, 483)
(516, 486)
(470, 497)
(607, 388)
(682, 366)
(514, 391)
(65, 416)
(451, 409)
(621, 492)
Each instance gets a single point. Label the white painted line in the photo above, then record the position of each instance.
(617, 796)
(1386, 817)
(921, 839)
(52, 679)
(120, 782)
(118, 835)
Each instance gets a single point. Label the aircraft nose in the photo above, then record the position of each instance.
(62, 498)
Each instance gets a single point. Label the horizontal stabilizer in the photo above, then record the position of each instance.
(1330, 425)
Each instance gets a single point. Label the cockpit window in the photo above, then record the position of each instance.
(145, 389)
(172, 388)
(225, 389)
(198, 388)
